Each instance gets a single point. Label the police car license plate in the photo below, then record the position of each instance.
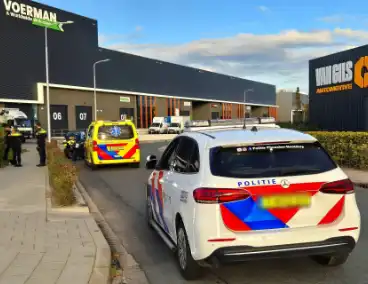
(285, 201)
(115, 148)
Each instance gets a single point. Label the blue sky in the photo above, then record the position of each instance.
(261, 40)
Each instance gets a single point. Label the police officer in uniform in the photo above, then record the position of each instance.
(7, 132)
(15, 139)
(41, 144)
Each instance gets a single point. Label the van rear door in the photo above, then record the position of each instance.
(116, 141)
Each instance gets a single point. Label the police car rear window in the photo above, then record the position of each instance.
(273, 160)
(115, 132)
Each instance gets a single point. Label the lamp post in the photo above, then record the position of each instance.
(60, 26)
(245, 98)
(94, 84)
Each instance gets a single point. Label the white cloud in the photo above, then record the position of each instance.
(332, 19)
(138, 28)
(263, 8)
(280, 59)
(352, 34)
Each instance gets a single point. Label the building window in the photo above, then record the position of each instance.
(185, 113)
(215, 115)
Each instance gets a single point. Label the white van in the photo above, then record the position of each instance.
(177, 124)
(158, 126)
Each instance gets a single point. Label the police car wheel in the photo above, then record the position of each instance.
(189, 268)
(331, 260)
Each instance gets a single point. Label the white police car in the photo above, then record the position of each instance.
(222, 195)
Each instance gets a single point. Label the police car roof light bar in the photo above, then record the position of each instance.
(197, 125)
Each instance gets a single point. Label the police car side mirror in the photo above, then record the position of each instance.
(151, 162)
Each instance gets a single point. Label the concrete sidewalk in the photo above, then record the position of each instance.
(36, 249)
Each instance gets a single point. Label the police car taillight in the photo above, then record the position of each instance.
(338, 187)
(94, 146)
(137, 142)
(219, 195)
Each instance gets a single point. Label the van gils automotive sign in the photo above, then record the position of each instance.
(342, 76)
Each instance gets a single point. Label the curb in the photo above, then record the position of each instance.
(132, 273)
(101, 269)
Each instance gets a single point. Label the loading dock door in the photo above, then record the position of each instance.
(83, 117)
(59, 119)
(126, 113)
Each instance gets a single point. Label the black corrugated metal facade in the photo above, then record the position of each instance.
(72, 53)
(340, 109)
(22, 52)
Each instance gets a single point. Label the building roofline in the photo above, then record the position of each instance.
(42, 85)
(290, 91)
(160, 61)
(351, 49)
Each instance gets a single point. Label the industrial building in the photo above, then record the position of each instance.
(338, 90)
(289, 110)
(127, 84)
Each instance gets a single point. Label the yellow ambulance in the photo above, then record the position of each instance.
(112, 142)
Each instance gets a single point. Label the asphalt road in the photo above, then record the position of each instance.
(120, 195)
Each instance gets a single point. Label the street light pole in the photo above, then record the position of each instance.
(94, 85)
(245, 98)
(47, 88)
(48, 78)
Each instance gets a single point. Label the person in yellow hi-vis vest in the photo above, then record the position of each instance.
(15, 141)
(41, 144)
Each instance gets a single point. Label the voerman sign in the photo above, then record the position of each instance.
(29, 13)
(342, 76)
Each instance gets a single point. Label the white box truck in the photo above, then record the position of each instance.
(158, 126)
(16, 117)
(177, 124)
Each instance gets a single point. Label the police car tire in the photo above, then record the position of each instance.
(331, 260)
(191, 269)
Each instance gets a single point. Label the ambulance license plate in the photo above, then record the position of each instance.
(115, 148)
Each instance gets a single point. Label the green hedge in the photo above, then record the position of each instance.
(62, 175)
(348, 149)
(2, 146)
